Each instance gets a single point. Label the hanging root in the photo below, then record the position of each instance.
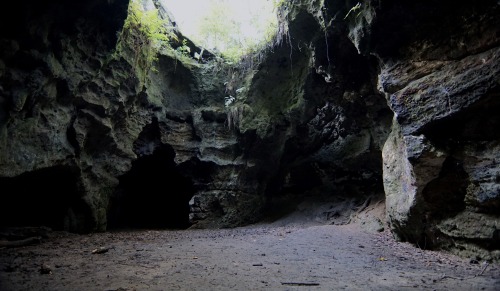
(234, 117)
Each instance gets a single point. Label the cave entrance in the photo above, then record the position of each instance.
(231, 27)
(48, 197)
(153, 194)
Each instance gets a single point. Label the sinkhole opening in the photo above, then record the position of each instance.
(233, 28)
(48, 197)
(152, 195)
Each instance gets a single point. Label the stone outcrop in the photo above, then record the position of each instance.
(440, 74)
(314, 113)
(59, 110)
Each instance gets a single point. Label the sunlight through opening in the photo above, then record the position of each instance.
(230, 27)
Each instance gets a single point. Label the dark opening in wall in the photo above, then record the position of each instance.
(153, 194)
(47, 197)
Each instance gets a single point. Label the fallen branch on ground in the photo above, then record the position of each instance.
(486, 264)
(21, 243)
(299, 284)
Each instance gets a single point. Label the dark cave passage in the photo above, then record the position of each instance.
(47, 197)
(153, 194)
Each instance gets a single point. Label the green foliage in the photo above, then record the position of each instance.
(221, 32)
(278, 3)
(148, 23)
(144, 33)
(184, 49)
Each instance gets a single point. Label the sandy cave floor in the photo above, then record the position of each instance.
(258, 257)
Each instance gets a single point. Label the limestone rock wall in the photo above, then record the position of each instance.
(315, 103)
(439, 70)
(71, 103)
(59, 108)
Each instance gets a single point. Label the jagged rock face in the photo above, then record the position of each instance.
(71, 109)
(440, 74)
(69, 106)
(58, 110)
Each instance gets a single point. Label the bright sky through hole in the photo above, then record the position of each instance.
(253, 16)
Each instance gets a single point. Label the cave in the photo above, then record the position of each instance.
(152, 195)
(356, 149)
(47, 197)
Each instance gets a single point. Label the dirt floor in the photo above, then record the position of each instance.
(293, 254)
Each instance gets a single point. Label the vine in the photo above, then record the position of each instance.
(354, 9)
